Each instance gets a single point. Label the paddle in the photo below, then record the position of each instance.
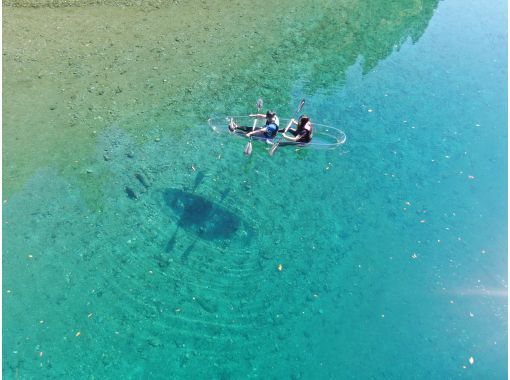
(231, 124)
(249, 146)
(275, 146)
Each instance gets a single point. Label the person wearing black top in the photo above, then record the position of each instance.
(303, 132)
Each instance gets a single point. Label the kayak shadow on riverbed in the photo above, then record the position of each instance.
(204, 218)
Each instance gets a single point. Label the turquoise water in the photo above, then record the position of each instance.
(392, 248)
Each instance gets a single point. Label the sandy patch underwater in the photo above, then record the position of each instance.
(70, 72)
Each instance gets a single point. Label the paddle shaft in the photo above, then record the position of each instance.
(248, 149)
(259, 107)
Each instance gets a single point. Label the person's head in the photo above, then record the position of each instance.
(303, 119)
(270, 115)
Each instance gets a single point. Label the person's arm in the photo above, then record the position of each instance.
(294, 138)
(257, 132)
(292, 121)
(288, 128)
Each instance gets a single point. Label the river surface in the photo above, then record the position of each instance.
(139, 244)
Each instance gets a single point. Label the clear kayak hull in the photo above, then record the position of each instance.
(324, 137)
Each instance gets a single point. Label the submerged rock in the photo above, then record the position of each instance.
(133, 194)
(162, 260)
(143, 179)
(207, 305)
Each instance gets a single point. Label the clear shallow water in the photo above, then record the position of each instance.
(393, 248)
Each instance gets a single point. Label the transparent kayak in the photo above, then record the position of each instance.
(324, 137)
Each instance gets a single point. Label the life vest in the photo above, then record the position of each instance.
(271, 130)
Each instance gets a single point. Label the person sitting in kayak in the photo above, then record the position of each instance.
(303, 132)
(269, 130)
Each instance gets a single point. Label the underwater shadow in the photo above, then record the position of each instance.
(204, 218)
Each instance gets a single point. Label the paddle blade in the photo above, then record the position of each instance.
(248, 149)
(300, 106)
(273, 149)
(260, 104)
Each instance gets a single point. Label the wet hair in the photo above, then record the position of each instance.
(303, 119)
(270, 114)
